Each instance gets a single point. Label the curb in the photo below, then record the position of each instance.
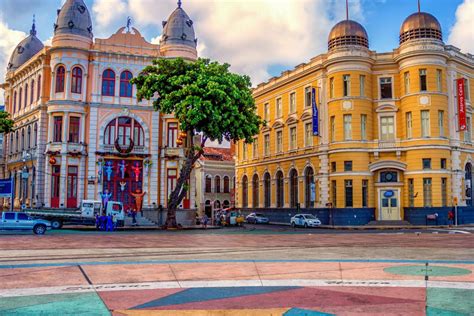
(136, 228)
(365, 227)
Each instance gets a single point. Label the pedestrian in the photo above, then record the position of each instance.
(103, 221)
(110, 224)
(204, 220)
(450, 218)
(134, 217)
(114, 221)
(97, 221)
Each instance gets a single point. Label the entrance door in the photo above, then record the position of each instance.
(55, 182)
(71, 201)
(389, 209)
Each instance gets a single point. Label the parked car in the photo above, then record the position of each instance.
(21, 221)
(305, 220)
(257, 218)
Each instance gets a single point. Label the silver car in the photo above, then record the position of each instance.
(305, 220)
(21, 221)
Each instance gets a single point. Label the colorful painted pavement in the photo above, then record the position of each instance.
(308, 287)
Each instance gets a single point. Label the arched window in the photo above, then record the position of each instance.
(468, 183)
(217, 184)
(225, 204)
(293, 188)
(8, 105)
(17, 141)
(217, 205)
(38, 92)
(279, 189)
(255, 191)
(32, 92)
(226, 184)
(309, 188)
(14, 101)
(123, 129)
(22, 139)
(28, 138)
(20, 93)
(245, 191)
(208, 184)
(108, 83)
(26, 96)
(76, 80)
(60, 74)
(125, 85)
(35, 134)
(266, 190)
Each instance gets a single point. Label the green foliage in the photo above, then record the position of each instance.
(203, 95)
(6, 124)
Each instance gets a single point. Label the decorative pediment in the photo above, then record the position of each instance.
(292, 119)
(387, 164)
(386, 108)
(278, 124)
(307, 115)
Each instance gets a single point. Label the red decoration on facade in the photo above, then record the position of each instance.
(52, 161)
(461, 104)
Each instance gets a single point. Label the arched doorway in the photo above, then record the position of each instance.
(468, 183)
(293, 188)
(245, 190)
(208, 208)
(309, 188)
(255, 191)
(279, 189)
(266, 190)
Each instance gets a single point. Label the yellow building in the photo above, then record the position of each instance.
(389, 146)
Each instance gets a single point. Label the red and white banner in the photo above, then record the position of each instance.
(461, 104)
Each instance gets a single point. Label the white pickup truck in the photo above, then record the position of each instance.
(21, 221)
(84, 216)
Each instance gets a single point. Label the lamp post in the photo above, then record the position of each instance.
(24, 179)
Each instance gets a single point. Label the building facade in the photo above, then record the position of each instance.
(79, 128)
(389, 144)
(215, 176)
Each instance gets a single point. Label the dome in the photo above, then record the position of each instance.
(27, 48)
(420, 25)
(74, 18)
(178, 29)
(346, 33)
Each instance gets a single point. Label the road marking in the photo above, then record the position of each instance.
(18, 292)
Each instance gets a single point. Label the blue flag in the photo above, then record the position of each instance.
(315, 114)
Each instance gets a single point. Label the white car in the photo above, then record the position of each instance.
(305, 220)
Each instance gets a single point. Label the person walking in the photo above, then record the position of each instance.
(134, 217)
(450, 218)
(204, 221)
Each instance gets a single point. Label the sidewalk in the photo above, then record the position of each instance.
(381, 227)
(135, 228)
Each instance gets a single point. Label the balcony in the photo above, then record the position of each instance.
(111, 149)
(172, 152)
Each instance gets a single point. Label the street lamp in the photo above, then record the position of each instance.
(24, 179)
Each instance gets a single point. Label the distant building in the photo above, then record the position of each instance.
(79, 129)
(390, 143)
(215, 176)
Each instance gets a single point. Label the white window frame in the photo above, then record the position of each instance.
(467, 90)
(348, 76)
(266, 145)
(266, 112)
(423, 132)
(306, 105)
(279, 146)
(347, 137)
(363, 126)
(468, 131)
(291, 145)
(244, 151)
(381, 134)
(292, 107)
(362, 85)
(379, 83)
(332, 123)
(409, 124)
(278, 108)
(406, 81)
(441, 123)
(439, 80)
(331, 88)
(308, 136)
(255, 148)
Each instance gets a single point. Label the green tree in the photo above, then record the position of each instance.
(6, 124)
(207, 99)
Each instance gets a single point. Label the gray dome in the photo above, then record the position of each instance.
(74, 18)
(27, 48)
(178, 30)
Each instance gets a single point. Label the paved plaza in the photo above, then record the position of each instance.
(237, 272)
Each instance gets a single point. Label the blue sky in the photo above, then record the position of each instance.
(258, 37)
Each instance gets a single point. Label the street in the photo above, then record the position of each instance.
(259, 270)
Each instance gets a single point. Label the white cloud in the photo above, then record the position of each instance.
(462, 33)
(107, 13)
(9, 39)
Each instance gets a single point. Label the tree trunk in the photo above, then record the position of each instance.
(179, 192)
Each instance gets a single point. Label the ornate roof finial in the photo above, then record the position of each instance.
(129, 23)
(419, 6)
(347, 9)
(179, 3)
(33, 27)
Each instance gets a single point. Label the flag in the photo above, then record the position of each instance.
(315, 113)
